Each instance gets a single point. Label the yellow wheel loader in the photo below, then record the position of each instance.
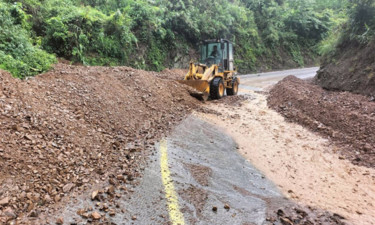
(215, 72)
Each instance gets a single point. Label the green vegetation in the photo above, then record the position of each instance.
(354, 24)
(151, 35)
(18, 52)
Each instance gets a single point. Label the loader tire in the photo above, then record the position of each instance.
(217, 88)
(234, 89)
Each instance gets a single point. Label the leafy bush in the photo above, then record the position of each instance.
(17, 53)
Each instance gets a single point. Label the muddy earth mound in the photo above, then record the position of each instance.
(346, 118)
(173, 74)
(74, 126)
(352, 69)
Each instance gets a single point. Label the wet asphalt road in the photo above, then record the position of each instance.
(231, 180)
(206, 171)
(259, 81)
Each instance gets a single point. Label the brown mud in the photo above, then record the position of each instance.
(345, 118)
(305, 166)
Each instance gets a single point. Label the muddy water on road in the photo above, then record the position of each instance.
(213, 184)
(208, 172)
(302, 164)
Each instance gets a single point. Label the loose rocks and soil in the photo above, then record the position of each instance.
(62, 131)
(346, 118)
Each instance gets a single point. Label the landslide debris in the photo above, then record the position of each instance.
(347, 119)
(64, 130)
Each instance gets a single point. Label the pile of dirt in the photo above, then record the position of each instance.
(173, 74)
(351, 69)
(346, 118)
(75, 126)
(292, 213)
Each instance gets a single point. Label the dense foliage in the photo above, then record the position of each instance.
(18, 53)
(156, 34)
(354, 25)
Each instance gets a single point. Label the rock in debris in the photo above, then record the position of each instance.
(94, 195)
(226, 206)
(112, 212)
(96, 215)
(214, 209)
(60, 221)
(4, 201)
(286, 221)
(9, 213)
(68, 187)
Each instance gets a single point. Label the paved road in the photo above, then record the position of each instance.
(206, 171)
(259, 81)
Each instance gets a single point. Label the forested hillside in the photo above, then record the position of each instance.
(152, 35)
(349, 62)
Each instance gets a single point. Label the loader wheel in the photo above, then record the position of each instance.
(234, 89)
(217, 88)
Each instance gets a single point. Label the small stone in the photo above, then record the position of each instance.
(68, 187)
(4, 201)
(47, 198)
(286, 221)
(85, 215)
(60, 221)
(96, 215)
(9, 213)
(94, 194)
(226, 206)
(34, 213)
(111, 190)
(57, 198)
(214, 209)
(80, 212)
(112, 212)
(112, 181)
(120, 177)
(134, 218)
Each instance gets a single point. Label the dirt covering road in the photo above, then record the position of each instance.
(304, 165)
(343, 117)
(308, 165)
(73, 127)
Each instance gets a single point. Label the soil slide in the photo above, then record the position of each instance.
(346, 118)
(352, 68)
(303, 164)
(76, 126)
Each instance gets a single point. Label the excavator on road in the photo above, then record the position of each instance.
(215, 72)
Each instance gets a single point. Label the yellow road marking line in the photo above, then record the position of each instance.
(175, 214)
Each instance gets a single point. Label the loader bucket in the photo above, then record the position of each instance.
(202, 88)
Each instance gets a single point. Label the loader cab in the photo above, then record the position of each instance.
(219, 52)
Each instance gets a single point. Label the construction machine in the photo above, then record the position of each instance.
(215, 72)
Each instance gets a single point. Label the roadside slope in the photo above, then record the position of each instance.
(351, 69)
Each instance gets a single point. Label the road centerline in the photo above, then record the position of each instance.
(175, 214)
